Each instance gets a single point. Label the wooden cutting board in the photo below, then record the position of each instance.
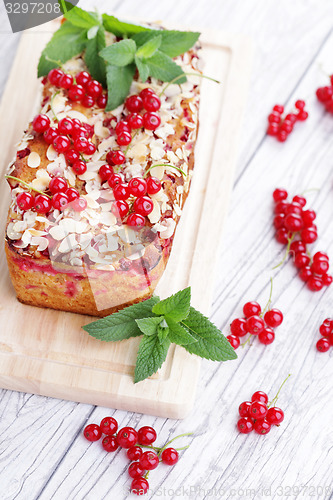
(46, 352)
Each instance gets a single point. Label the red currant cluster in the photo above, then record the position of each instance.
(254, 324)
(60, 196)
(82, 89)
(326, 330)
(281, 127)
(150, 120)
(142, 462)
(292, 220)
(257, 415)
(325, 95)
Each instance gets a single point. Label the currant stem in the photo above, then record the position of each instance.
(164, 165)
(267, 306)
(26, 185)
(171, 441)
(274, 400)
(286, 253)
(247, 340)
(188, 74)
(130, 144)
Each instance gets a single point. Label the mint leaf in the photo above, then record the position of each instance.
(178, 334)
(174, 43)
(81, 18)
(149, 48)
(120, 53)
(68, 41)
(121, 325)
(95, 63)
(120, 28)
(148, 326)
(119, 80)
(143, 68)
(175, 307)
(151, 355)
(164, 68)
(211, 344)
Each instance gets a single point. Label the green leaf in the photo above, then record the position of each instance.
(67, 42)
(120, 28)
(148, 326)
(120, 53)
(178, 334)
(151, 356)
(175, 307)
(81, 18)
(162, 331)
(65, 6)
(164, 68)
(119, 80)
(143, 69)
(121, 325)
(95, 63)
(211, 344)
(149, 48)
(174, 43)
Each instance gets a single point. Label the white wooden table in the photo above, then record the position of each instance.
(42, 451)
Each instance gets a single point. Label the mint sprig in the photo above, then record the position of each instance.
(150, 51)
(162, 322)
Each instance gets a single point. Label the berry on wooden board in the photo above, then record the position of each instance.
(279, 126)
(326, 331)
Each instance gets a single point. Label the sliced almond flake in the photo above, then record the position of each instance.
(128, 235)
(76, 262)
(108, 219)
(72, 113)
(172, 90)
(58, 233)
(33, 160)
(160, 196)
(172, 157)
(94, 166)
(70, 176)
(36, 232)
(157, 172)
(138, 152)
(19, 226)
(41, 184)
(40, 242)
(155, 215)
(84, 240)
(179, 153)
(92, 252)
(169, 228)
(101, 131)
(51, 153)
(68, 244)
(58, 103)
(30, 217)
(106, 207)
(177, 209)
(107, 144)
(90, 201)
(165, 131)
(70, 225)
(11, 233)
(26, 237)
(157, 153)
(87, 176)
(107, 194)
(20, 244)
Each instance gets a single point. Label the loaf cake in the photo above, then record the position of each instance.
(93, 233)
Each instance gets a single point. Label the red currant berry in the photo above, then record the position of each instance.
(121, 191)
(143, 205)
(243, 408)
(323, 344)
(42, 204)
(238, 327)
(293, 208)
(299, 104)
(305, 273)
(258, 410)
(309, 235)
(79, 204)
(320, 266)
(135, 470)
(282, 236)
(149, 460)
(101, 101)
(255, 325)
(328, 322)
(135, 220)
(233, 341)
(301, 259)
(302, 115)
(291, 117)
(65, 126)
(287, 126)
(61, 144)
(293, 222)
(308, 217)
(278, 221)
(134, 103)
(275, 416)
(80, 132)
(122, 126)
(315, 283)
(72, 155)
(114, 179)
(119, 209)
(267, 336)
(146, 92)
(245, 425)
(300, 200)
(41, 123)
(325, 330)
(278, 108)
(139, 486)
(87, 101)
(320, 94)
(153, 185)
(83, 78)
(281, 207)
(170, 456)
(90, 149)
(272, 129)
(124, 138)
(59, 201)
(262, 426)
(297, 247)
(76, 93)
(321, 255)
(66, 81)
(72, 194)
(151, 120)
(251, 309)
(58, 185)
(282, 136)
(25, 201)
(146, 435)
(105, 172)
(50, 134)
(127, 437)
(260, 396)
(274, 118)
(134, 453)
(327, 279)
(94, 89)
(92, 432)
(137, 186)
(135, 121)
(151, 102)
(115, 157)
(273, 318)
(54, 76)
(80, 144)
(110, 444)
(109, 425)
